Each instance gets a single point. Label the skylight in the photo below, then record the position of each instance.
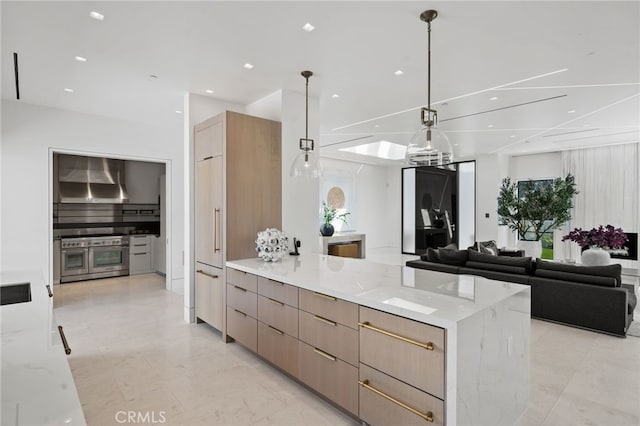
(382, 149)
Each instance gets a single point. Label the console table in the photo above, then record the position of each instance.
(346, 238)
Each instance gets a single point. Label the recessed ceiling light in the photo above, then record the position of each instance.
(490, 125)
(178, 111)
(97, 16)
(571, 111)
(209, 91)
(66, 89)
(376, 125)
(80, 59)
(335, 95)
(152, 77)
(494, 98)
(308, 27)
(248, 66)
(398, 72)
(512, 136)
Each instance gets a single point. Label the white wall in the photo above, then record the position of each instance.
(490, 170)
(536, 166)
(29, 132)
(269, 107)
(376, 199)
(299, 195)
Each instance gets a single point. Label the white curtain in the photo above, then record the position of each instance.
(608, 181)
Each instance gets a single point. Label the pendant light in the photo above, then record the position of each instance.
(429, 146)
(307, 163)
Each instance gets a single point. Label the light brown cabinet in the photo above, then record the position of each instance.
(242, 308)
(402, 370)
(278, 324)
(209, 288)
(237, 192)
(328, 347)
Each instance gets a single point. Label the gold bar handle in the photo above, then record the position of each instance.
(275, 330)
(240, 312)
(216, 213)
(325, 296)
(428, 346)
(200, 271)
(240, 288)
(428, 416)
(67, 349)
(324, 354)
(277, 302)
(326, 321)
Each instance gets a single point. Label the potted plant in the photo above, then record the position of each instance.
(539, 208)
(597, 243)
(328, 215)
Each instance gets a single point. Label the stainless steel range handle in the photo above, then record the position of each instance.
(67, 349)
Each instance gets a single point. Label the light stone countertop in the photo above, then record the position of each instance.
(433, 297)
(37, 386)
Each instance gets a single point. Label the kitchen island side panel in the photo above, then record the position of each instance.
(491, 355)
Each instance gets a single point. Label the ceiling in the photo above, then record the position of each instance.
(507, 77)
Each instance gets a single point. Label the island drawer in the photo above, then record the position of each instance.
(386, 401)
(243, 300)
(279, 291)
(329, 336)
(330, 376)
(281, 316)
(242, 279)
(279, 348)
(408, 350)
(329, 307)
(242, 328)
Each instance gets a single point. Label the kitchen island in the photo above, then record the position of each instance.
(37, 386)
(399, 345)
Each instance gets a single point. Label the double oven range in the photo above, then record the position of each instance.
(93, 256)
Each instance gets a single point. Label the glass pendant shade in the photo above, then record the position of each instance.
(430, 146)
(307, 164)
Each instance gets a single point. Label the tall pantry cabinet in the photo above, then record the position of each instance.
(238, 192)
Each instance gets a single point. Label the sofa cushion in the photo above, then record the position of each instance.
(440, 267)
(608, 276)
(433, 255)
(497, 263)
(516, 270)
(453, 257)
(632, 300)
(496, 275)
(487, 247)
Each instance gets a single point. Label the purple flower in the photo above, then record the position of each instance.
(608, 237)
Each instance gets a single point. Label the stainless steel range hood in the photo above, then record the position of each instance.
(91, 180)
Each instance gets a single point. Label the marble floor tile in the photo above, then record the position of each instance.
(132, 351)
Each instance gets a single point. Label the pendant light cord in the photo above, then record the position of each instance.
(429, 70)
(306, 111)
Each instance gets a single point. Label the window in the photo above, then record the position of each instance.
(547, 237)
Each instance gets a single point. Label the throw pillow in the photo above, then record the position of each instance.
(453, 257)
(452, 246)
(488, 247)
(433, 255)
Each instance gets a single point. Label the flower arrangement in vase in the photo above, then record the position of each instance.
(597, 243)
(328, 215)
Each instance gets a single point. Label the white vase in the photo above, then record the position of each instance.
(595, 256)
(531, 249)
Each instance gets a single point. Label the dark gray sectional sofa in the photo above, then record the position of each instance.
(591, 297)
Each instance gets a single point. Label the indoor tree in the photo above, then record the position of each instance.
(539, 208)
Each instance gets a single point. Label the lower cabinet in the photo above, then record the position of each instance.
(329, 375)
(278, 348)
(243, 328)
(140, 256)
(385, 400)
(208, 295)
